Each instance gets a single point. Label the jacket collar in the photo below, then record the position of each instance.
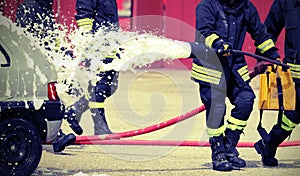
(235, 8)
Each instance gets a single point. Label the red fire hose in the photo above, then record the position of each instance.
(173, 143)
(111, 138)
(142, 130)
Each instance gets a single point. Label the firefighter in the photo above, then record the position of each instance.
(222, 25)
(36, 16)
(91, 16)
(283, 14)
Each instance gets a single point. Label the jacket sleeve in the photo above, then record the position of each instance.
(263, 42)
(206, 23)
(275, 20)
(85, 13)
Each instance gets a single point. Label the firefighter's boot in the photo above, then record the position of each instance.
(231, 140)
(219, 160)
(267, 147)
(100, 123)
(70, 115)
(73, 114)
(62, 141)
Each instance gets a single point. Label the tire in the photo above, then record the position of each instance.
(20, 147)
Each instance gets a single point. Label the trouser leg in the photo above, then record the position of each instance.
(243, 99)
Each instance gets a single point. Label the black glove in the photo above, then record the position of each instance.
(222, 48)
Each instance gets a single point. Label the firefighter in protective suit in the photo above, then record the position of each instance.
(222, 24)
(284, 14)
(92, 15)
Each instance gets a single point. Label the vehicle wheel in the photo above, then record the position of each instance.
(20, 147)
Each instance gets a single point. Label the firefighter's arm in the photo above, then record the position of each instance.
(85, 13)
(275, 19)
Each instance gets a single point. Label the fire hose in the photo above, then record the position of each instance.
(110, 139)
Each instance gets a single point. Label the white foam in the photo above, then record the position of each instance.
(135, 51)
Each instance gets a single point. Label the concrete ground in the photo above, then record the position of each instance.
(149, 97)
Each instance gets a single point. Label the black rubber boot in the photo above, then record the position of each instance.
(231, 140)
(62, 141)
(100, 123)
(70, 115)
(267, 147)
(219, 160)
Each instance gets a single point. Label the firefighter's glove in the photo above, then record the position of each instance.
(222, 48)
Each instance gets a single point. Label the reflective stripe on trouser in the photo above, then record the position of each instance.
(287, 124)
(236, 124)
(95, 105)
(214, 100)
(215, 132)
(292, 118)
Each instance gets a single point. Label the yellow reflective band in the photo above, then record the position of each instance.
(87, 28)
(112, 55)
(57, 42)
(207, 71)
(210, 39)
(235, 127)
(295, 67)
(215, 132)
(237, 121)
(286, 128)
(295, 70)
(288, 122)
(266, 45)
(95, 105)
(243, 70)
(244, 73)
(295, 74)
(85, 24)
(205, 78)
(236, 124)
(246, 77)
